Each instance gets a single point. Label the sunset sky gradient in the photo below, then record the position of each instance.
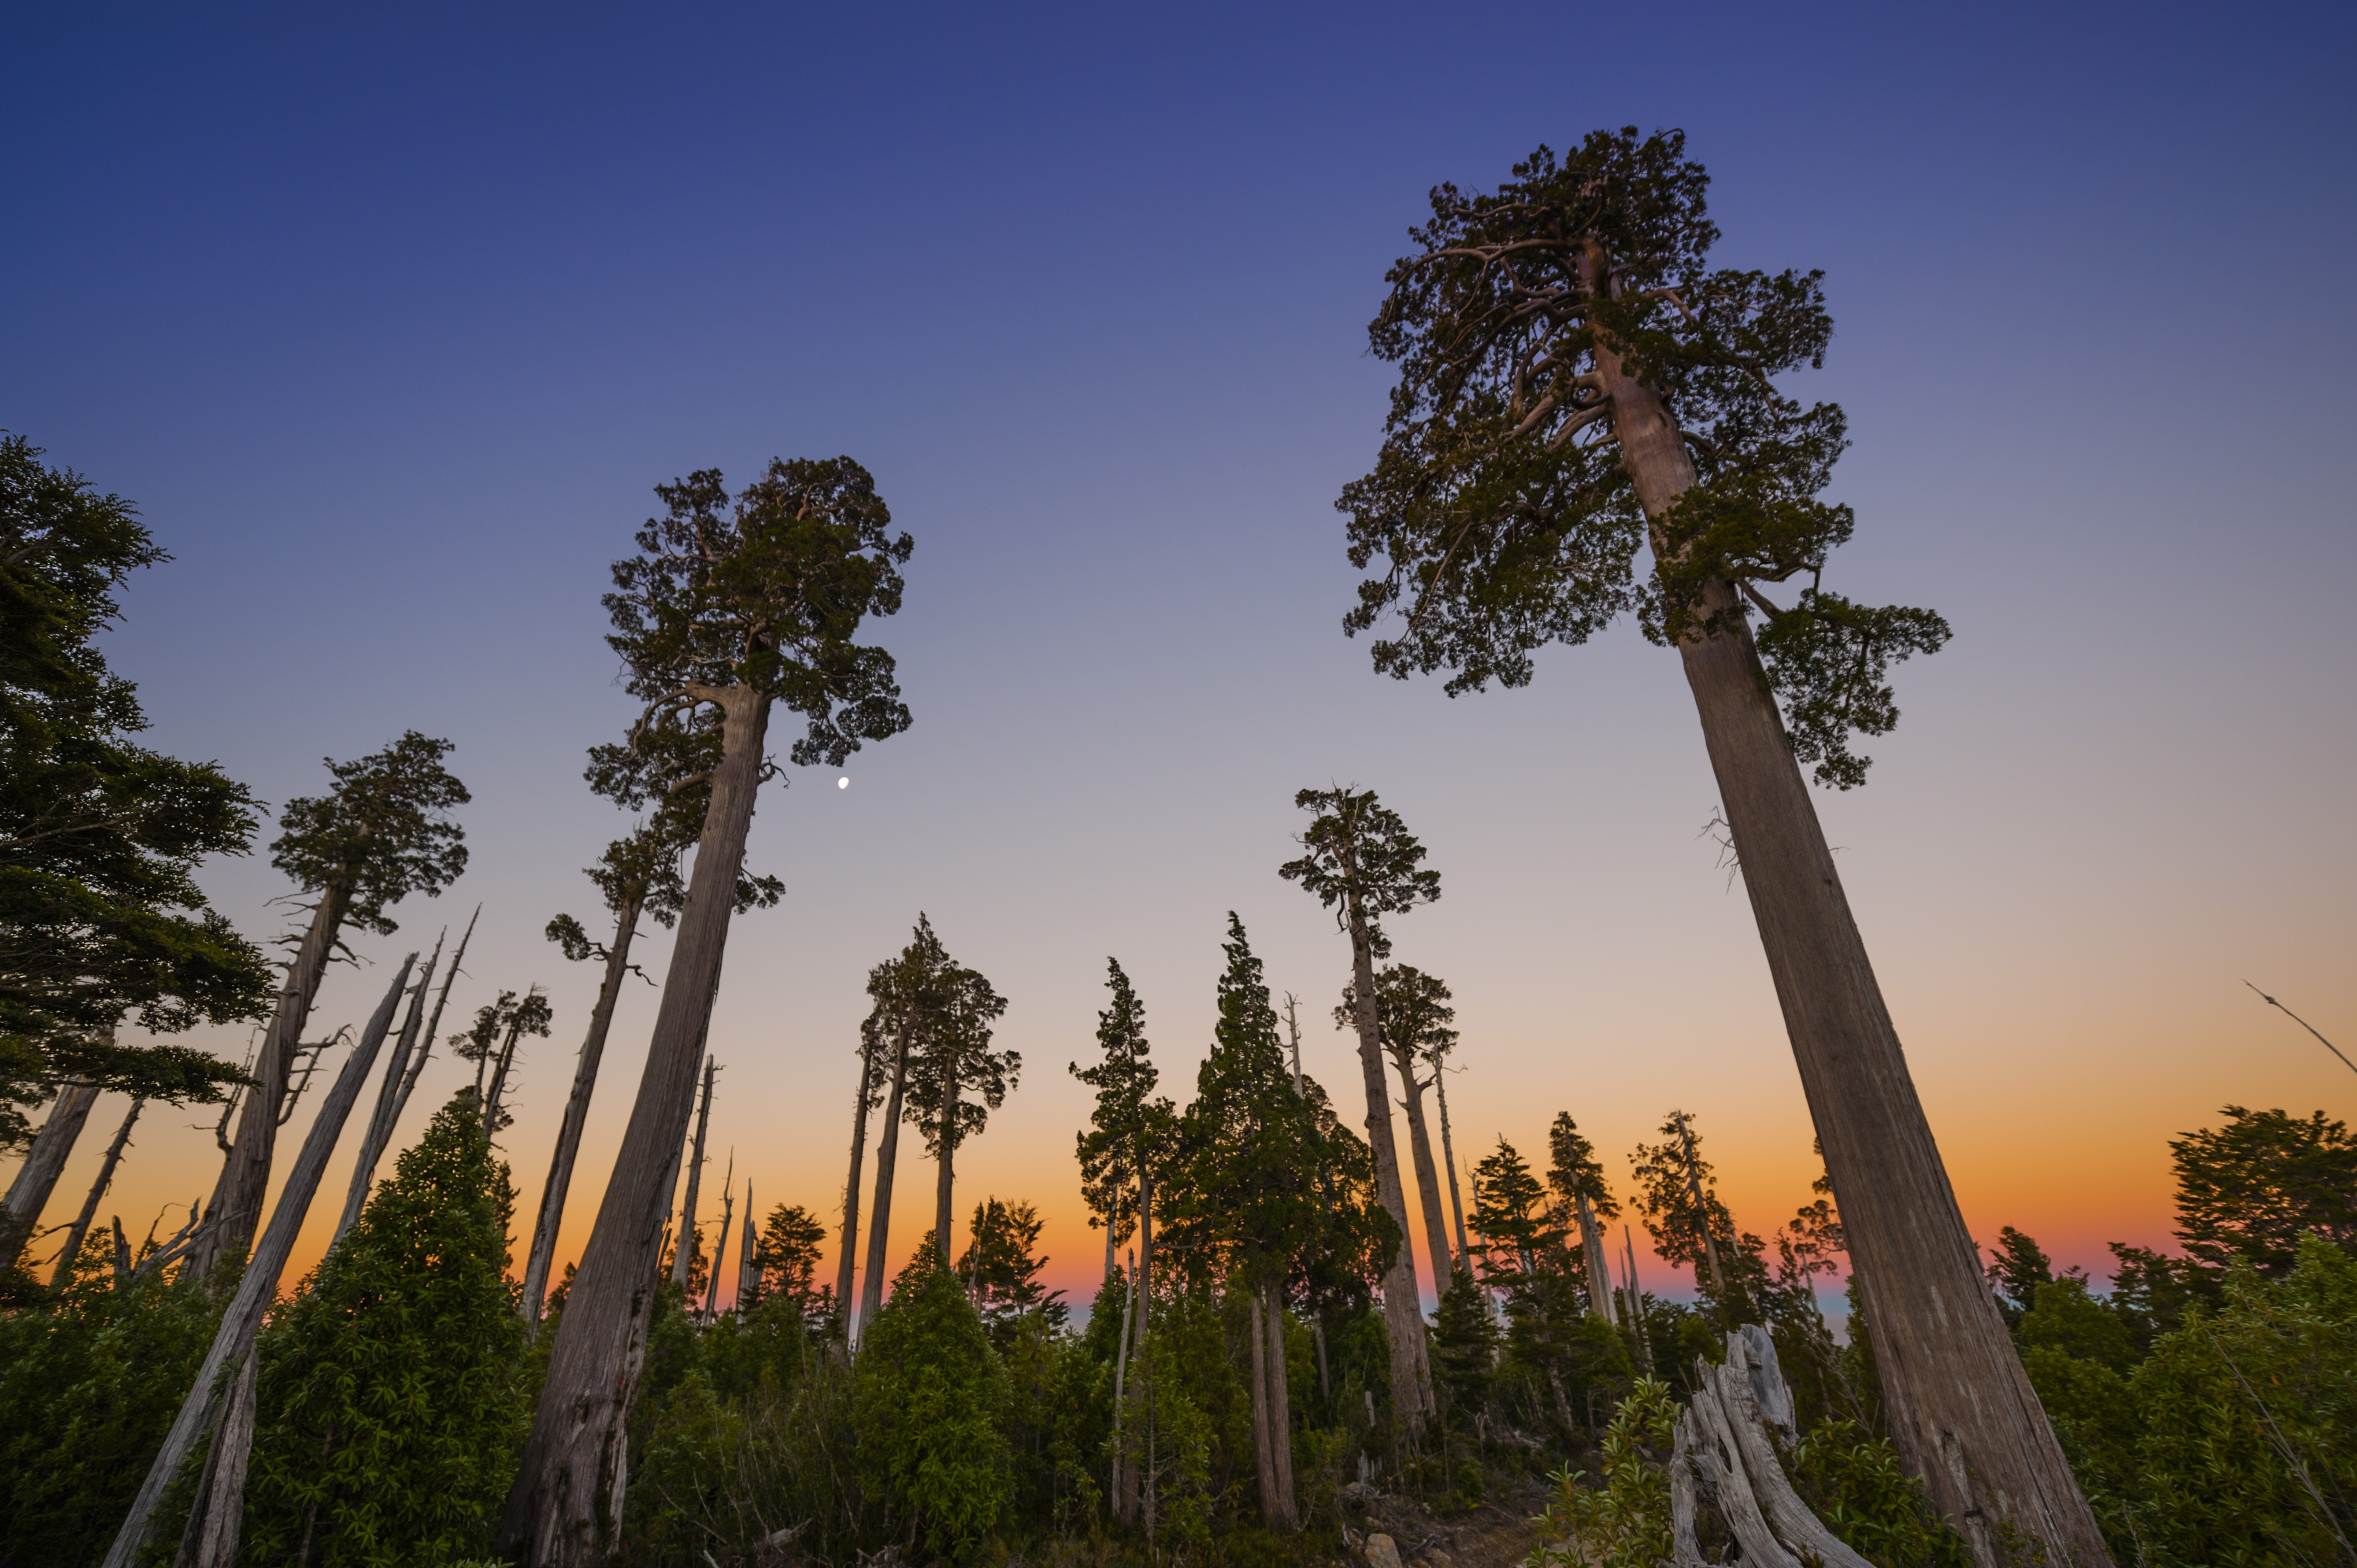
(390, 317)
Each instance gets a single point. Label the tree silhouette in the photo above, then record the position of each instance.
(1360, 861)
(380, 832)
(1576, 383)
(729, 607)
(1111, 1154)
(1413, 1015)
(956, 1060)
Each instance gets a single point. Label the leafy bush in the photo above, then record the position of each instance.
(931, 1399)
(1624, 1523)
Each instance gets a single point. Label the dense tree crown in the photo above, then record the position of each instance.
(1575, 1172)
(763, 592)
(1130, 1122)
(100, 919)
(381, 832)
(1500, 504)
(1413, 1016)
(2252, 1188)
(1360, 861)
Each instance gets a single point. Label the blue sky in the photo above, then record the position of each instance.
(390, 317)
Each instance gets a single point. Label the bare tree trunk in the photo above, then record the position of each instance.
(720, 1242)
(1124, 1473)
(1637, 1302)
(566, 1502)
(217, 1521)
(37, 1177)
(1272, 1505)
(683, 1255)
(1403, 1307)
(1427, 1178)
(425, 1049)
(1599, 1272)
(233, 1340)
(1702, 1220)
(388, 1097)
(845, 1271)
(1448, 1153)
(944, 1215)
(543, 1256)
(888, 1155)
(1280, 1409)
(236, 1206)
(1960, 1409)
(97, 1191)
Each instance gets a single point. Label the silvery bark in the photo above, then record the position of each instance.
(236, 1206)
(749, 1262)
(1959, 1410)
(944, 1215)
(1600, 1275)
(1448, 1154)
(233, 1340)
(388, 1100)
(568, 1498)
(888, 1154)
(80, 1229)
(1403, 1307)
(1427, 1178)
(426, 1046)
(577, 1116)
(37, 1177)
(683, 1257)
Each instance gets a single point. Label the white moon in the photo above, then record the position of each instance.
(842, 783)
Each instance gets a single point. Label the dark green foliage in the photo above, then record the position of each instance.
(931, 1398)
(787, 1257)
(1500, 500)
(953, 1058)
(1002, 1273)
(1574, 1171)
(100, 918)
(1854, 1483)
(1359, 860)
(389, 1405)
(380, 832)
(765, 592)
(88, 1387)
(1130, 1127)
(1671, 1175)
(1464, 1350)
(2251, 1190)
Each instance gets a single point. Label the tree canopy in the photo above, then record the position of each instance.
(1359, 860)
(1499, 503)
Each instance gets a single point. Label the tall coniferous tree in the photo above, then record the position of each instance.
(1681, 1209)
(957, 1059)
(380, 832)
(906, 992)
(1360, 861)
(1576, 384)
(1579, 1182)
(1411, 1011)
(728, 608)
(1110, 1150)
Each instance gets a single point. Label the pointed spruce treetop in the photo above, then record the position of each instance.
(1131, 1123)
(763, 592)
(1360, 861)
(1500, 504)
(380, 832)
(1575, 1172)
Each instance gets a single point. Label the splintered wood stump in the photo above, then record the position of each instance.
(1726, 1459)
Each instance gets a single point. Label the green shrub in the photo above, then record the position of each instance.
(931, 1401)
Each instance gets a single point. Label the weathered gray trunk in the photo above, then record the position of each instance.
(81, 1224)
(720, 1242)
(1591, 1248)
(425, 1044)
(888, 1155)
(1264, 1446)
(567, 1497)
(499, 1080)
(1280, 1409)
(1427, 1178)
(543, 1256)
(28, 1195)
(236, 1206)
(217, 1519)
(1403, 1308)
(1959, 1410)
(1448, 1154)
(1124, 1472)
(233, 1340)
(1702, 1221)
(1636, 1300)
(845, 1271)
(748, 1260)
(683, 1256)
(379, 1132)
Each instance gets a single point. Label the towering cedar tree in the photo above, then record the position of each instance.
(1410, 1005)
(1579, 1182)
(636, 875)
(380, 832)
(1360, 861)
(957, 1058)
(724, 611)
(906, 995)
(1124, 1078)
(1574, 383)
(1685, 1217)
